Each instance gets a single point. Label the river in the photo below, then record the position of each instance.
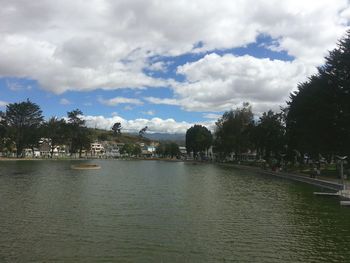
(153, 211)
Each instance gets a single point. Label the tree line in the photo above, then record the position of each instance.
(237, 132)
(315, 123)
(22, 126)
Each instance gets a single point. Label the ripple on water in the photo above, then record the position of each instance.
(159, 211)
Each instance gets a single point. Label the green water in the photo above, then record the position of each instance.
(148, 211)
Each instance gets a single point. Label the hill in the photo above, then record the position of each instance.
(103, 135)
(179, 138)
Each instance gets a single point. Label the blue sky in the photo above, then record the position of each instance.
(14, 89)
(168, 67)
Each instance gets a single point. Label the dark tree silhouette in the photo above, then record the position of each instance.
(143, 131)
(116, 128)
(23, 121)
(198, 139)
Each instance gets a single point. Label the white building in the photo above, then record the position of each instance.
(97, 149)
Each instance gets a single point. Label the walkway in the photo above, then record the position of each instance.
(321, 181)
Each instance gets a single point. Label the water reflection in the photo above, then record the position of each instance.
(147, 211)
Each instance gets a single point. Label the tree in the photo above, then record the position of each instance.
(269, 134)
(127, 148)
(80, 136)
(131, 149)
(102, 137)
(233, 131)
(143, 131)
(168, 149)
(160, 149)
(75, 118)
(136, 150)
(3, 130)
(319, 112)
(23, 121)
(56, 130)
(198, 139)
(116, 128)
(172, 149)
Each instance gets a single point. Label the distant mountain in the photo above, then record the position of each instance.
(177, 137)
(103, 135)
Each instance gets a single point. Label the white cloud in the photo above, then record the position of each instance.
(110, 42)
(3, 103)
(154, 124)
(128, 107)
(211, 116)
(166, 101)
(120, 100)
(16, 86)
(219, 83)
(149, 112)
(158, 66)
(64, 101)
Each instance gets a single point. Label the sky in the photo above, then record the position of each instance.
(163, 64)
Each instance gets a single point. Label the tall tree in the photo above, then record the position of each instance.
(23, 120)
(3, 130)
(143, 131)
(198, 139)
(79, 135)
(319, 112)
(56, 130)
(269, 134)
(116, 128)
(233, 131)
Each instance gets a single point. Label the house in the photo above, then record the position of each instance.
(97, 149)
(112, 150)
(30, 153)
(44, 148)
(183, 151)
(146, 153)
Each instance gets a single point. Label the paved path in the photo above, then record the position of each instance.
(321, 181)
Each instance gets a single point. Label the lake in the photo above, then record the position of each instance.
(153, 211)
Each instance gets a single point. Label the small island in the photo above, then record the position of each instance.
(84, 166)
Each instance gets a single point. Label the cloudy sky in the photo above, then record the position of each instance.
(165, 64)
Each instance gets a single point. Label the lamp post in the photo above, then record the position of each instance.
(342, 159)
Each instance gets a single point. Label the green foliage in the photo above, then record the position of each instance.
(3, 130)
(131, 149)
(127, 149)
(198, 139)
(56, 130)
(269, 134)
(116, 128)
(23, 121)
(79, 134)
(136, 151)
(318, 119)
(74, 118)
(102, 137)
(143, 131)
(170, 149)
(233, 131)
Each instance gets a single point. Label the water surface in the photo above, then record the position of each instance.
(149, 211)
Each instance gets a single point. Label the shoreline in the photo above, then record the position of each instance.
(322, 182)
